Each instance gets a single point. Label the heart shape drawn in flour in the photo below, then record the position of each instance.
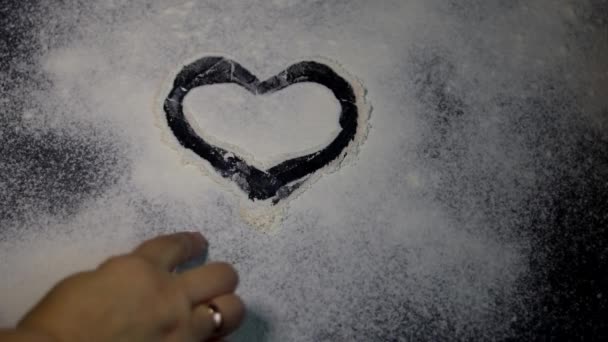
(279, 181)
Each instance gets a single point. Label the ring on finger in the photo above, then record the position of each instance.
(216, 317)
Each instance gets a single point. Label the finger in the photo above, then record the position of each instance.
(203, 326)
(231, 309)
(212, 280)
(168, 251)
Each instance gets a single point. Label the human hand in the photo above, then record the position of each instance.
(136, 297)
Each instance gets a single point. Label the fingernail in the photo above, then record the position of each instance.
(200, 240)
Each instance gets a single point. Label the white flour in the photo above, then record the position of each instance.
(268, 129)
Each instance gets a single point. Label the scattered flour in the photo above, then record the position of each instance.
(265, 129)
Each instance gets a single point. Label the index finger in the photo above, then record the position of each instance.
(168, 251)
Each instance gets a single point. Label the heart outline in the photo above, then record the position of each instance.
(278, 181)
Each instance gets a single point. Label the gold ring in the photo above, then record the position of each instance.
(216, 316)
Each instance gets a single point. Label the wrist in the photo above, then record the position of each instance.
(24, 335)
